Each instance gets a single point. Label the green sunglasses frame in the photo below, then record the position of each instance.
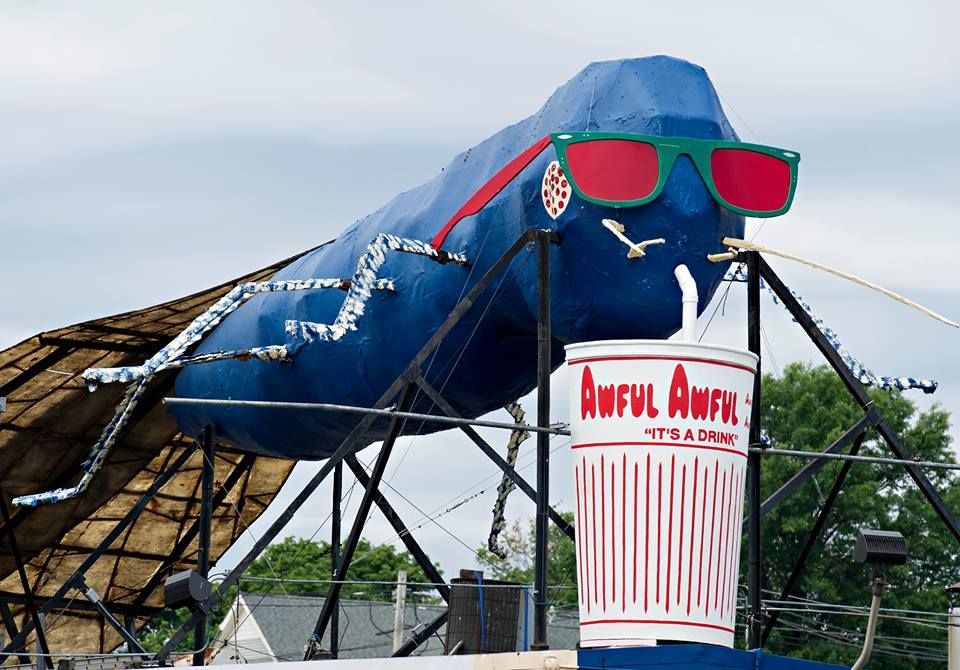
(668, 150)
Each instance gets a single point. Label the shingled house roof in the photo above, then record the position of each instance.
(49, 422)
(266, 628)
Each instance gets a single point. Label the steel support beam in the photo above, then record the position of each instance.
(77, 606)
(353, 409)
(94, 598)
(433, 574)
(541, 526)
(115, 330)
(101, 345)
(332, 599)
(350, 442)
(859, 394)
(33, 370)
(754, 560)
(207, 472)
(335, 552)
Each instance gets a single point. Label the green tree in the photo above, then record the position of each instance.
(807, 409)
(303, 567)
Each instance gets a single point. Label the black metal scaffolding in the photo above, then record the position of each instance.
(396, 403)
(399, 394)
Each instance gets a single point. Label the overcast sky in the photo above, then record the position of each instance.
(148, 151)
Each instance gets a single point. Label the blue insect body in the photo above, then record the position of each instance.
(489, 358)
(298, 338)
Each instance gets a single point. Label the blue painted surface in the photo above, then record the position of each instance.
(597, 293)
(690, 657)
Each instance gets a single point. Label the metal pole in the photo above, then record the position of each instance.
(332, 599)
(543, 445)
(25, 583)
(754, 563)
(335, 553)
(879, 584)
(353, 409)
(186, 539)
(876, 460)
(206, 520)
(953, 639)
(812, 537)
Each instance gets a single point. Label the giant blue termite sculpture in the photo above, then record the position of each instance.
(625, 151)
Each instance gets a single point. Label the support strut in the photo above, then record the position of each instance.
(335, 553)
(129, 637)
(332, 599)
(206, 520)
(12, 631)
(543, 447)
(754, 563)
(422, 635)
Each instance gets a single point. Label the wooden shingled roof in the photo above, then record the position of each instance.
(50, 422)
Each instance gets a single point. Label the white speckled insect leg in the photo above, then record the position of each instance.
(364, 281)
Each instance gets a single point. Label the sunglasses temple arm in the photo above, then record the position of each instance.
(491, 188)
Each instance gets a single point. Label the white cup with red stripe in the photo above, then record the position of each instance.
(660, 432)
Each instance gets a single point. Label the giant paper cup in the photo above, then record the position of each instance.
(659, 439)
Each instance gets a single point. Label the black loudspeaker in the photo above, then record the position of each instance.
(484, 615)
(886, 547)
(185, 589)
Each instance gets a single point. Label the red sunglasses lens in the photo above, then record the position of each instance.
(616, 170)
(750, 180)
